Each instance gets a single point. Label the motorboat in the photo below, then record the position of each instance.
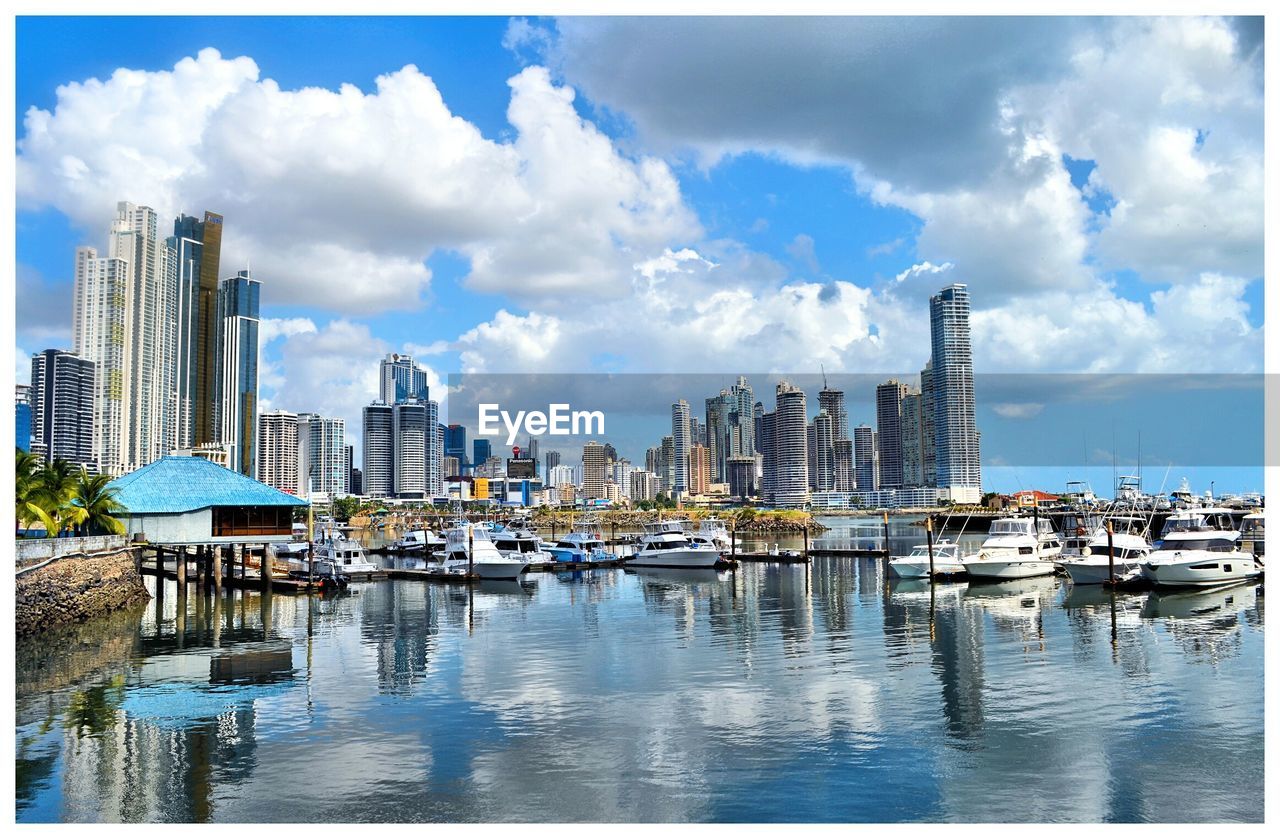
(468, 547)
(519, 542)
(1200, 547)
(714, 531)
(666, 544)
(582, 544)
(1079, 529)
(418, 541)
(1122, 553)
(336, 554)
(946, 561)
(1016, 547)
(1253, 537)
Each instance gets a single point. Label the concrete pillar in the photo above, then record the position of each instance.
(217, 568)
(266, 568)
(200, 575)
(240, 550)
(181, 556)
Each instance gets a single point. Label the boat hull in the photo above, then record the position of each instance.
(1203, 569)
(1085, 572)
(1008, 569)
(913, 569)
(676, 558)
(505, 570)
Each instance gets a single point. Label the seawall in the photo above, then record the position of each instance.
(76, 587)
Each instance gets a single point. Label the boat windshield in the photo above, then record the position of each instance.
(1218, 544)
(1006, 527)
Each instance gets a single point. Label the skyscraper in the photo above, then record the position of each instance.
(22, 417)
(237, 382)
(832, 401)
(192, 268)
(204, 356)
(401, 380)
(912, 441)
(103, 318)
(844, 475)
(277, 460)
(928, 429)
(553, 460)
(62, 393)
(379, 450)
(414, 431)
(322, 455)
(681, 442)
(959, 469)
(791, 455)
(866, 466)
(455, 444)
(742, 440)
(824, 451)
(699, 470)
(481, 450)
(719, 410)
(742, 477)
(889, 396)
(593, 470)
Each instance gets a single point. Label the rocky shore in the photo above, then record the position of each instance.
(75, 588)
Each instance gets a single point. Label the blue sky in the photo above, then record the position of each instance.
(659, 195)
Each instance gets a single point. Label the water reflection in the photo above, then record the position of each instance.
(767, 693)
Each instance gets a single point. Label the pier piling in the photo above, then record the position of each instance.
(928, 538)
(217, 568)
(1111, 553)
(180, 556)
(265, 569)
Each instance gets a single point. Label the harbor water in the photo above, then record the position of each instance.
(827, 692)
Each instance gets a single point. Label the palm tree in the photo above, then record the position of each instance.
(94, 505)
(55, 485)
(26, 466)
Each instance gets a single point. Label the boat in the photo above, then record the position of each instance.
(468, 547)
(1200, 547)
(666, 545)
(1016, 547)
(1079, 529)
(418, 541)
(946, 561)
(785, 553)
(582, 544)
(1122, 554)
(336, 554)
(714, 531)
(513, 540)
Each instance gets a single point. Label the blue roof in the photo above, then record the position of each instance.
(179, 484)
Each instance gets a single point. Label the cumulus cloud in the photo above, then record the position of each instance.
(1018, 410)
(271, 328)
(339, 196)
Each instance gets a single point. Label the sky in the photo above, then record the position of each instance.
(678, 195)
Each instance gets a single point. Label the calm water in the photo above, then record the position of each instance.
(778, 693)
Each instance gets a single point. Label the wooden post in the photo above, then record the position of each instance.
(733, 545)
(244, 570)
(471, 553)
(806, 543)
(159, 571)
(266, 568)
(886, 532)
(182, 569)
(217, 568)
(1111, 553)
(200, 575)
(928, 535)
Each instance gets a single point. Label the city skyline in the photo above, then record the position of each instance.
(758, 254)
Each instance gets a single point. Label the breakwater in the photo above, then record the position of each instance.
(76, 587)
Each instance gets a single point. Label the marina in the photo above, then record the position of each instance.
(652, 694)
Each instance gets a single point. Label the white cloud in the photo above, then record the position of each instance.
(270, 329)
(1018, 410)
(340, 196)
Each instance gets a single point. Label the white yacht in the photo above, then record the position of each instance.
(1016, 548)
(1079, 529)
(485, 559)
(714, 531)
(517, 542)
(582, 544)
(336, 554)
(418, 541)
(1253, 536)
(1200, 547)
(665, 544)
(946, 561)
(1124, 553)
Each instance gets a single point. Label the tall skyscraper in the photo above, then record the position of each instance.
(928, 429)
(481, 450)
(889, 396)
(719, 409)
(379, 450)
(413, 433)
(699, 470)
(401, 380)
(959, 469)
(866, 465)
(824, 451)
(322, 456)
(593, 470)
(277, 460)
(844, 475)
(22, 417)
(742, 477)
(193, 261)
(742, 439)
(667, 464)
(455, 444)
(682, 442)
(912, 441)
(236, 401)
(62, 395)
(832, 401)
(790, 444)
(553, 460)
(348, 460)
(103, 325)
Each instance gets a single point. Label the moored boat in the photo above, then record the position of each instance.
(946, 561)
(1016, 548)
(667, 545)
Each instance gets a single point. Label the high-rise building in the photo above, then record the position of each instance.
(620, 473)
(531, 451)
(866, 467)
(959, 469)
(193, 256)
(790, 444)
(22, 417)
(481, 450)
(742, 477)
(699, 470)
(236, 400)
(889, 396)
(553, 460)
(379, 450)
(356, 482)
(62, 394)
(832, 401)
(844, 477)
(593, 470)
(103, 325)
(719, 410)
(824, 451)
(610, 453)
(681, 443)
(277, 460)
(765, 426)
(455, 444)
(560, 474)
(349, 460)
(912, 441)
(322, 456)
(644, 485)
(414, 431)
(452, 467)
(667, 464)
(400, 380)
(742, 441)
(928, 429)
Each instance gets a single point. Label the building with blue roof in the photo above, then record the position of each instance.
(181, 500)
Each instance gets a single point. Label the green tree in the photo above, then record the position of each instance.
(346, 507)
(55, 486)
(26, 504)
(94, 506)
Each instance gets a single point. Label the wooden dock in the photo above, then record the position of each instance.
(759, 556)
